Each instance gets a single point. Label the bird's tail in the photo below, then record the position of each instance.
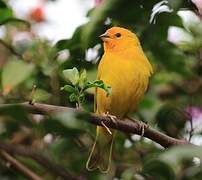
(100, 156)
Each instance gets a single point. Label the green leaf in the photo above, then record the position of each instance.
(193, 173)
(63, 44)
(13, 117)
(81, 97)
(82, 78)
(68, 88)
(71, 75)
(63, 123)
(73, 97)
(128, 174)
(41, 95)
(3, 4)
(165, 77)
(180, 4)
(31, 164)
(15, 20)
(183, 152)
(70, 121)
(99, 84)
(5, 13)
(14, 73)
(70, 43)
(108, 90)
(171, 119)
(16, 112)
(158, 170)
(169, 19)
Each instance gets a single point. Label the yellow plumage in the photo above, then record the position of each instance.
(124, 68)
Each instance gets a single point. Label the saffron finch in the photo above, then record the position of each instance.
(125, 68)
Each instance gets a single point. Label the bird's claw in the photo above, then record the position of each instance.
(143, 126)
(104, 125)
(113, 118)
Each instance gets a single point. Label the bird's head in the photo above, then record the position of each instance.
(117, 39)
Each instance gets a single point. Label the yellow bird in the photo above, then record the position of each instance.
(125, 68)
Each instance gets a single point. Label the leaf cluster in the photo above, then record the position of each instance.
(79, 84)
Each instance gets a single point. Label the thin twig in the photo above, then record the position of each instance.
(190, 117)
(19, 166)
(121, 125)
(40, 158)
(11, 49)
(191, 130)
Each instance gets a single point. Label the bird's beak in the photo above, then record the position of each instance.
(104, 36)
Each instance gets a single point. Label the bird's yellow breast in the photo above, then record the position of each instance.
(128, 75)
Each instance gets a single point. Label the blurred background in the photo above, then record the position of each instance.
(41, 38)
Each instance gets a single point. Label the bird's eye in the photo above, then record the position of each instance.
(118, 35)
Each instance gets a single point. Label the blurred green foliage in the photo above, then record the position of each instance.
(67, 138)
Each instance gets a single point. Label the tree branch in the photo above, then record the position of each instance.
(39, 157)
(11, 49)
(19, 166)
(124, 126)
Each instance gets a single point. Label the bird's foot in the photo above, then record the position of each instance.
(107, 129)
(113, 118)
(142, 126)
